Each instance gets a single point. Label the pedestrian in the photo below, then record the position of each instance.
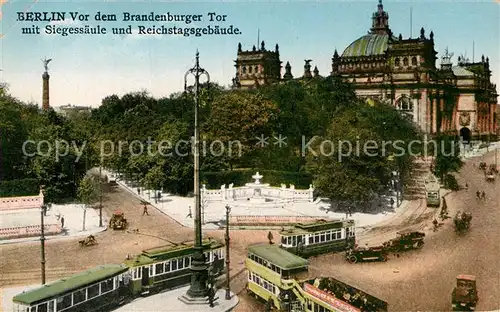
(466, 186)
(211, 296)
(483, 195)
(62, 222)
(478, 194)
(138, 191)
(190, 213)
(145, 210)
(392, 202)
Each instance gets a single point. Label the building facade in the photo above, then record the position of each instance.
(68, 109)
(454, 99)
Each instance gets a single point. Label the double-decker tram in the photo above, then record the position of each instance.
(323, 236)
(271, 273)
(281, 279)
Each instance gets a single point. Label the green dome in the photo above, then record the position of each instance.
(371, 44)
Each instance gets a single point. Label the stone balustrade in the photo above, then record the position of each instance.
(29, 231)
(282, 194)
(23, 202)
(255, 220)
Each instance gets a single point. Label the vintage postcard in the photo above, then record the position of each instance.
(300, 156)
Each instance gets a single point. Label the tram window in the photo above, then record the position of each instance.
(42, 307)
(63, 302)
(289, 240)
(51, 306)
(180, 263)
(167, 266)
(93, 291)
(79, 296)
(283, 240)
(174, 265)
(187, 261)
(316, 238)
(106, 286)
(311, 240)
(323, 237)
(329, 236)
(159, 268)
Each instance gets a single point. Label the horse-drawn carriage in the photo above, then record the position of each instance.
(406, 240)
(462, 221)
(88, 241)
(118, 221)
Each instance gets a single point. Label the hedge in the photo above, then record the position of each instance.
(214, 180)
(21, 187)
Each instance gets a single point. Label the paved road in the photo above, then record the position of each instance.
(420, 280)
(423, 280)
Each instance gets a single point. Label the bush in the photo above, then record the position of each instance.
(451, 183)
(21, 187)
(214, 180)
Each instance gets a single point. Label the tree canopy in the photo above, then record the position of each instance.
(290, 130)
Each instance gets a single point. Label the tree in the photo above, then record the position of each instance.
(236, 120)
(88, 193)
(447, 158)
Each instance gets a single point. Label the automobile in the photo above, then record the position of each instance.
(359, 254)
(464, 296)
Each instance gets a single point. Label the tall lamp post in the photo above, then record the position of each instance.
(42, 241)
(228, 289)
(198, 290)
(100, 194)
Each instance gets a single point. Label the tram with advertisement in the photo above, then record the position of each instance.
(320, 237)
(281, 280)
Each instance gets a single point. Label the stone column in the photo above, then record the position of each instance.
(45, 91)
(434, 115)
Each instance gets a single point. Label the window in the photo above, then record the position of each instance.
(79, 296)
(414, 61)
(174, 265)
(106, 286)
(397, 62)
(93, 291)
(329, 236)
(316, 238)
(250, 69)
(51, 306)
(180, 264)
(63, 302)
(187, 262)
(167, 266)
(244, 70)
(159, 268)
(311, 240)
(42, 307)
(405, 61)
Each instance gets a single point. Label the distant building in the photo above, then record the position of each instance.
(66, 109)
(454, 99)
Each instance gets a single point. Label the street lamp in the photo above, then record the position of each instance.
(228, 289)
(198, 290)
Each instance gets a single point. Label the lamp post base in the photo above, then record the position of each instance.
(199, 276)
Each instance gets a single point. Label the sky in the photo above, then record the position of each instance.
(86, 68)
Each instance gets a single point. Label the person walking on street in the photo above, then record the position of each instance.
(62, 222)
(190, 213)
(138, 191)
(483, 195)
(466, 186)
(478, 194)
(145, 210)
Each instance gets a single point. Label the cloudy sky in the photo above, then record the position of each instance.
(86, 68)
